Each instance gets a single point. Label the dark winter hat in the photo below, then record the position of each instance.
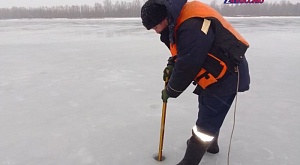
(153, 13)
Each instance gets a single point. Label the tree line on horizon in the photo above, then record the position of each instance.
(283, 8)
(132, 9)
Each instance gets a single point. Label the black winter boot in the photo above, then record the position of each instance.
(214, 147)
(195, 150)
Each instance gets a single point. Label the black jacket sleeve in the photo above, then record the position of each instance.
(193, 46)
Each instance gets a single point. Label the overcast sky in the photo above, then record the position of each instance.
(37, 3)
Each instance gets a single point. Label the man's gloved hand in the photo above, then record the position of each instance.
(164, 95)
(168, 72)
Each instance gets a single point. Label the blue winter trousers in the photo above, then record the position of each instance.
(212, 112)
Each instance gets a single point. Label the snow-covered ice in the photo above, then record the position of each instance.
(87, 92)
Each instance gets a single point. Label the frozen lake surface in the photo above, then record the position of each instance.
(87, 92)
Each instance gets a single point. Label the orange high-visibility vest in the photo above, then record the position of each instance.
(197, 9)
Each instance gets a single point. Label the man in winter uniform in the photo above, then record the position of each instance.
(207, 51)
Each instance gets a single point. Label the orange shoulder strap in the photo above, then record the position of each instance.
(198, 9)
